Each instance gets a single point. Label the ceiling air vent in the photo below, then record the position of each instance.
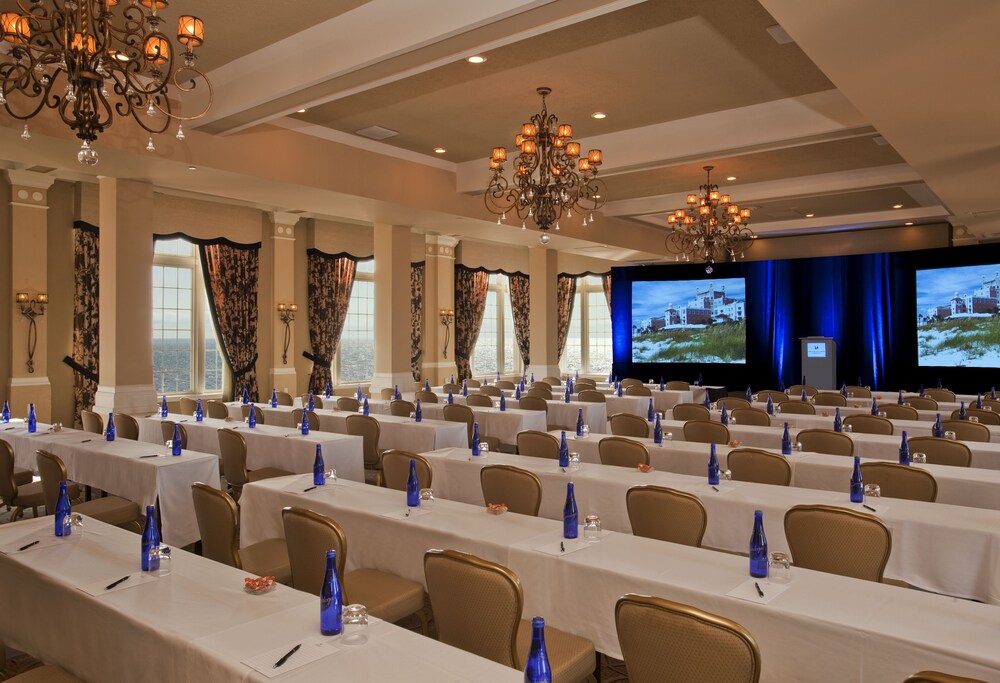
(376, 133)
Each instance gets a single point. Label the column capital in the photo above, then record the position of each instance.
(284, 224)
(442, 246)
(30, 179)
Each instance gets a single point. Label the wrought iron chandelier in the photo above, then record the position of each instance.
(550, 177)
(712, 228)
(91, 60)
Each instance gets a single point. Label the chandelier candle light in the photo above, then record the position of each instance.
(90, 60)
(712, 228)
(550, 177)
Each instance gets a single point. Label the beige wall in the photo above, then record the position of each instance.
(873, 241)
(6, 288)
(334, 238)
(492, 256)
(575, 263)
(62, 286)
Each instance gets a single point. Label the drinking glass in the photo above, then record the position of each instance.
(668, 436)
(918, 458)
(592, 529)
(426, 498)
(574, 461)
(973, 418)
(585, 432)
(725, 475)
(881, 413)
(162, 552)
(950, 435)
(777, 408)
(850, 394)
(484, 448)
(732, 420)
(755, 397)
(873, 491)
(797, 446)
(780, 568)
(848, 429)
(331, 476)
(355, 624)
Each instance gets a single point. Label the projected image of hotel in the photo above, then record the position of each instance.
(708, 306)
(981, 302)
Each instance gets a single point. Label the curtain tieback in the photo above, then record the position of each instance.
(88, 374)
(316, 359)
(245, 369)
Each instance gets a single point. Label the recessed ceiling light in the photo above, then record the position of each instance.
(301, 111)
(897, 206)
(908, 223)
(598, 115)
(476, 59)
(810, 215)
(192, 168)
(440, 150)
(732, 177)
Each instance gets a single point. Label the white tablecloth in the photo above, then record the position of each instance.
(636, 405)
(270, 446)
(405, 432)
(867, 631)
(503, 425)
(119, 468)
(595, 415)
(193, 623)
(281, 416)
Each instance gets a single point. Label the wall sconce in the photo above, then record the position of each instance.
(286, 313)
(447, 318)
(31, 309)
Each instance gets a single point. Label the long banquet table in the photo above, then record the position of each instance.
(595, 415)
(927, 537)
(822, 627)
(191, 623)
(122, 468)
(504, 425)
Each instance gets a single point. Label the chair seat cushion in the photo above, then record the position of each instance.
(22, 477)
(110, 510)
(45, 674)
(266, 473)
(571, 657)
(29, 495)
(268, 558)
(387, 596)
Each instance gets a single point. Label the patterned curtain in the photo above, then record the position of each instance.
(331, 279)
(86, 328)
(416, 317)
(471, 287)
(565, 293)
(606, 284)
(231, 278)
(520, 307)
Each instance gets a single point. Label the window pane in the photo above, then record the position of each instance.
(484, 356)
(511, 353)
(214, 362)
(172, 343)
(357, 342)
(177, 247)
(599, 333)
(572, 354)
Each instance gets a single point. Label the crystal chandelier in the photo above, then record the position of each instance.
(550, 180)
(91, 60)
(712, 228)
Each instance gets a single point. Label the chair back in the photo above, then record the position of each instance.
(630, 382)
(506, 385)
(666, 515)
(796, 390)
(285, 398)
(348, 403)
(638, 390)
(830, 398)
(477, 604)
(310, 415)
(585, 382)
(706, 431)
(859, 391)
(825, 441)
(455, 388)
(795, 407)
(188, 405)
(518, 489)
(257, 411)
(941, 451)
(667, 641)
(8, 486)
(894, 411)
(775, 395)
(233, 453)
(838, 541)
(690, 411)
(993, 405)
(167, 432)
(941, 395)
(52, 471)
(985, 417)
(218, 524)
(939, 677)
(752, 416)
(401, 408)
(735, 402)
(677, 385)
(490, 390)
(537, 444)
(126, 426)
(92, 422)
(367, 428)
(541, 384)
(901, 481)
(759, 466)
(309, 535)
(540, 392)
(454, 412)
(922, 402)
(479, 400)
(396, 469)
(591, 396)
(473, 383)
(552, 381)
(531, 402)
(869, 424)
(967, 431)
(425, 396)
(387, 393)
(629, 424)
(217, 410)
(622, 452)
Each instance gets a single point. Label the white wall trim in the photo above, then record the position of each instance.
(29, 381)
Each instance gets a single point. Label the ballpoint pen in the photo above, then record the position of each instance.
(85, 441)
(562, 547)
(715, 488)
(285, 657)
(868, 507)
(154, 455)
(308, 489)
(115, 583)
(25, 547)
(759, 591)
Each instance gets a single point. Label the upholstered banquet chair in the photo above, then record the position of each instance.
(759, 466)
(317, 401)
(314, 421)
(518, 489)
(869, 424)
(967, 431)
(233, 453)
(552, 381)
(530, 402)
(46, 673)
(396, 469)
(219, 526)
(622, 452)
(167, 432)
(188, 405)
(796, 390)
(901, 481)
(541, 384)
(310, 535)
(455, 388)
(706, 431)
(985, 417)
(666, 515)
(829, 398)
(401, 408)
(591, 396)
(638, 390)
(540, 392)
(537, 444)
(630, 382)
(479, 400)
(752, 416)
(667, 641)
(894, 411)
(506, 385)
(735, 402)
(17, 491)
(477, 607)
(490, 390)
(939, 677)
(941, 395)
(796, 407)
(348, 403)
(425, 396)
(126, 427)
(940, 451)
(825, 441)
(677, 385)
(217, 410)
(257, 411)
(472, 384)
(855, 391)
(109, 509)
(92, 422)
(838, 541)
(368, 429)
(691, 411)
(585, 382)
(454, 412)
(775, 396)
(922, 402)
(285, 399)
(629, 424)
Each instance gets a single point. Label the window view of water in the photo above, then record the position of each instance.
(172, 366)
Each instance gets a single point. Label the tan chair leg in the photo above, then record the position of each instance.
(18, 511)
(424, 623)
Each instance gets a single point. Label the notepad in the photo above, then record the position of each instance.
(406, 513)
(569, 545)
(747, 591)
(311, 650)
(97, 588)
(48, 541)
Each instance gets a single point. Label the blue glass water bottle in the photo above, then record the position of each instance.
(163, 406)
(611, 377)
(364, 406)
(532, 377)
(619, 389)
(498, 375)
(770, 405)
(843, 389)
(246, 398)
(475, 438)
(570, 515)
(360, 395)
(663, 384)
(427, 384)
(749, 396)
(940, 385)
(503, 401)
(962, 415)
(177, 442)
(274, 398)
(537, 668)
(650, 413)
(578, 374)
(563, 451)
(109, 432)
(786, 442)
(838, 424)
(701, 380)
(857, 482)
(451, 397)
(412, 486)
(579, 421)
(63, 518)
(312, 402)
(331, 600)
(758, 547)
(874, 410)
(465, 387)
(922, 391)
(713, 466)
(329, 391)
(517, 391)
(395, 392)
(899, 398)
(723, 415)
(418, 414)
(567, 395)
(319, 467)
(252, 416)
(781, 385)
(938, 428)
(904, 450)
(305, 423)
(805, 396)
(979, 401)
(199, 412)
(657, 431)
(150, 542)
(32, 420)
(5, 414)
(993, 393)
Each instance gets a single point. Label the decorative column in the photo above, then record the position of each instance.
(439, 295)
(29, 382)
(126, 282)
(283, 307)
(392, 301)
(544, 312)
